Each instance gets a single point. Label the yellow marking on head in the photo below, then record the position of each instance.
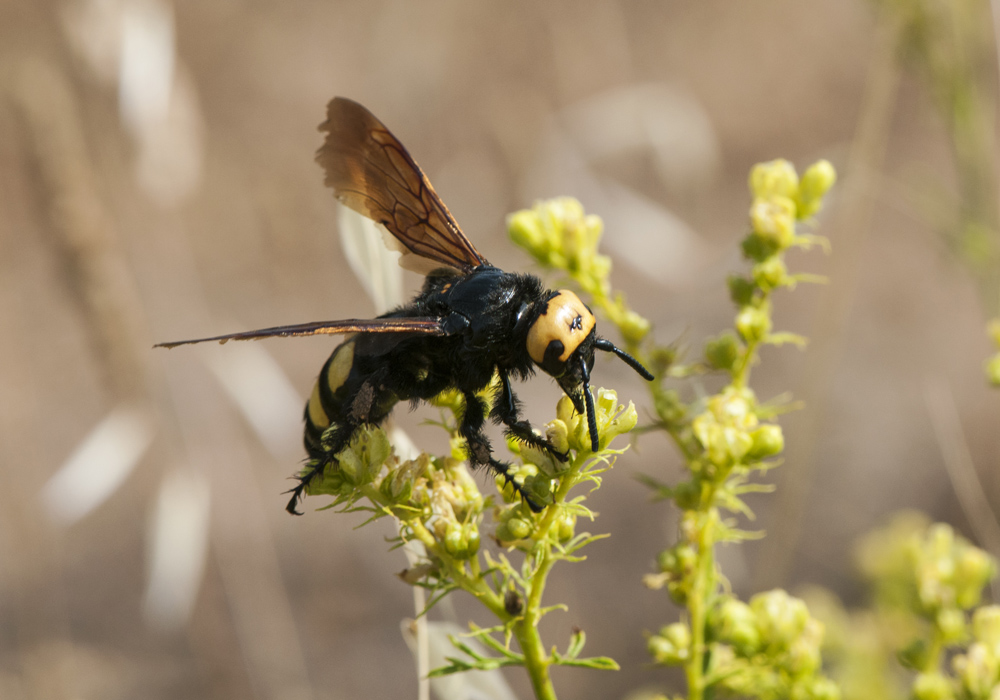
(317, 416)
(567, 320)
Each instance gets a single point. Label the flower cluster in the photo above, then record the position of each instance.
(926, 569)
(438, 504)
(769, 648)
(927, 572)
(435, 493)
(560, 236)
(723, 439)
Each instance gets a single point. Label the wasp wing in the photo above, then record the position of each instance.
(372, 173)
(427, 326)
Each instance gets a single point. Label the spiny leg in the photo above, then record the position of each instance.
(334, 440)
(480, 453)
(506, 410)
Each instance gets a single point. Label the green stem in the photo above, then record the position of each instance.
(526, 631)
(473, 584)
(699, 603)
(935, 652)
(741, 372)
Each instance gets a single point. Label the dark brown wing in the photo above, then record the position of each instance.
(427, 326)
(371, 172)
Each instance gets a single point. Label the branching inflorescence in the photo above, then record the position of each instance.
(768, 648)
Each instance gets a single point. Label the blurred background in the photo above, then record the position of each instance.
(157, 182)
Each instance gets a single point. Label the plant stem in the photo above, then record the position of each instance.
(535, 659)
(699, 603)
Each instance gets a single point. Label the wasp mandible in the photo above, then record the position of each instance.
(470, 322)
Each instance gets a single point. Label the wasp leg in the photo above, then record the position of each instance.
(506, 410)
(480, 453)
(321, 456)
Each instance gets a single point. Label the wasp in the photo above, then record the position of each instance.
(470, 322)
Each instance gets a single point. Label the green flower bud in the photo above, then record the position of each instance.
(666, 561)
(669, 407)
(818, 688)
(740, 290)
(678, 591)
(678, 634)
(974, 568)
(518, 528)
(704, 426)
(951, 624)
(723, 351)
(767, 441)
(977, 670)
(525, 229)
(565, 410)
(461, 541)
(472, 539)
(770, 273)
(986, 627)
(780, 617)
(678, 561)
(753, 324)
(557, 434)
(773, 220)
(672, 646)
(687, 559)
(625, 420)
(577, 434)
(776, 178)
(932, 686)
(566, 527)
(735, 623)
(992, 368)
(738, 443)
(712, 437)
(804, 651)
(634, 327)
(539, 488)
(735, 407)
(662, 651)
(816, 182)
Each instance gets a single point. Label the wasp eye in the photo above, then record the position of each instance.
(561, 327)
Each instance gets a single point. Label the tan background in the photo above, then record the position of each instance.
(230, 228)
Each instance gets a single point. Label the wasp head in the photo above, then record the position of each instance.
(562, 340)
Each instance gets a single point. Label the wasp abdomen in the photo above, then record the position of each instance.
(323, 407)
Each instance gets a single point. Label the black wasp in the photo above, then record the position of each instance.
(470, 321)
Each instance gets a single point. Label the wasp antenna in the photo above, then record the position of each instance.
(608, 346)
(591, 415)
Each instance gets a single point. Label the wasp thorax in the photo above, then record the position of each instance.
(558, 331)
